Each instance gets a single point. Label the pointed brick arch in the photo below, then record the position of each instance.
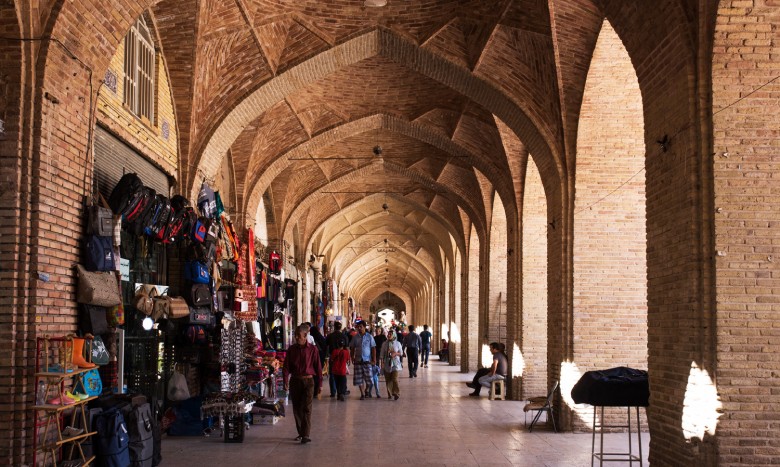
(388, 44)
(445, 225)
(413, 175)
(395, 124)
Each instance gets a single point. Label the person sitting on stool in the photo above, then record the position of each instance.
(497, 371)
(445, 352)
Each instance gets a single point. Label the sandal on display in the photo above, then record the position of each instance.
(76, 396)
(70, 432)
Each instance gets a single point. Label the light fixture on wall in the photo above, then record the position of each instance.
(375, 3)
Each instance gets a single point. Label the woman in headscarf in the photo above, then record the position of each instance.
(390, 356)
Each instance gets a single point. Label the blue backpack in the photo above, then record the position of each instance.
(100, 254)
(112, 439)
(196, 272)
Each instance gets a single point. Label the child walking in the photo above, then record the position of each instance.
(338, 367)
(375, 380)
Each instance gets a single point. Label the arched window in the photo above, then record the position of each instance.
(139, 70)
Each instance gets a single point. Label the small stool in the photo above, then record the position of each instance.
(497, 390)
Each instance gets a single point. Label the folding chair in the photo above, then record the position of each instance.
(539, 405)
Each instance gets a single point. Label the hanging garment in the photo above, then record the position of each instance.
(275, 262)
(262, 285)
(250, 279)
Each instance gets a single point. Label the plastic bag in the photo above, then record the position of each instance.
(177, 387)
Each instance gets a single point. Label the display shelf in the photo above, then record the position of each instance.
(49, 419)
(59, 374)
(56, 444)
(58, 408)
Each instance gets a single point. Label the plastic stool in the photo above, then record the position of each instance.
(497, 390)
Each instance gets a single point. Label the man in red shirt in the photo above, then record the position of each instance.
(300, 366)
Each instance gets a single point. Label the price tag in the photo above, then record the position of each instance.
(124, 269)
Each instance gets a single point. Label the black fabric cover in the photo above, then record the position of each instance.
(615, 387)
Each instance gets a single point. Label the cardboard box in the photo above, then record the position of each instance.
(264, 419)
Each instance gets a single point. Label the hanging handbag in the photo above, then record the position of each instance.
(97, 288)
(116, 315)
(177, 387)
(160, 308)
(144, 299)
(177, 307)
(92, 319)
(99, 352)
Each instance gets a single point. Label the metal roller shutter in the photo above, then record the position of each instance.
(114, 158)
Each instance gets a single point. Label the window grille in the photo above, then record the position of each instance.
(139, 70)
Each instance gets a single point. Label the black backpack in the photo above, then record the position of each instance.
(179, 202)
(140, 424)
(112, 439)
(200, 295)
(138, 224)
(124, 191)
(100, 221)
(159, 218)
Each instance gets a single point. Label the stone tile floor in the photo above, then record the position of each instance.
(433, 423)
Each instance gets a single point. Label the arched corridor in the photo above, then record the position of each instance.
(590, 183)
(434, 423)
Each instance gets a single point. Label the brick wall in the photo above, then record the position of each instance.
(497, 285)
(146, 137)
(610, 271)
(473, 312)
(15, 319)
(455, 317)
(534, 336)
(747, 239)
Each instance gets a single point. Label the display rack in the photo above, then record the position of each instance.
(49, 438)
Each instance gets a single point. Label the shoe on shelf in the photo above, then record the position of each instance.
(63, 400)
(76, 396)
(70, 432)
(305, 440)
(57, 368)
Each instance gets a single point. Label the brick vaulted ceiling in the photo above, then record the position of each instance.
(298, 93)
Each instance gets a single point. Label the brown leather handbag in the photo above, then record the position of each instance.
(97, 288)
(177, 308)
(144, 299)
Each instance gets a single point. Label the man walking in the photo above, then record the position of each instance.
(425, 338)
(412, 345)
(363, 349)
(300, 367)
(379, 338)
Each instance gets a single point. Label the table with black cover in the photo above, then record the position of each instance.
(615, 387)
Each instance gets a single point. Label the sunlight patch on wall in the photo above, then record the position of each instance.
(454, 333)
(518, 362)
(445, 332)
(701, 405)
(570, 374)
(487, 357)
